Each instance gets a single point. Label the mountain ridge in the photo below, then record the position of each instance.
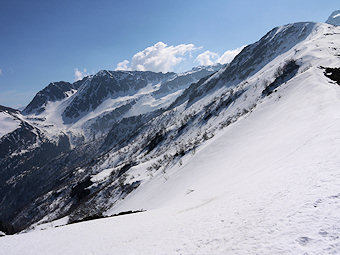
(334, 18)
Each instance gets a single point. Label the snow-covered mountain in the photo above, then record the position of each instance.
(68, 123)
(334, 19)
(91, 106)
(242, 159)
(8, 119)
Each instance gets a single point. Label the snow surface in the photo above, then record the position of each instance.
(45, 224)
(269, 184)
(102, 175)
(266, 184)
(7, 123)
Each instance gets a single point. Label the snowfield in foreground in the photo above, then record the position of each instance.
(267, 184)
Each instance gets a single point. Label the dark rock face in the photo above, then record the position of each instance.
(53, 92)
(8, 109)
(282, 75)
(333, 74)
(24, 158)
(80, 191)
(19, 139)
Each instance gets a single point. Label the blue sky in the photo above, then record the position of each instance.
(45, 41)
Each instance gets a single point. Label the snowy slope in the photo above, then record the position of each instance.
(8, 123)
(9, 120)
(266, 183)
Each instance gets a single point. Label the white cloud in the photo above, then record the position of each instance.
(210, 58)
(158, 58)
(0, 72)
(78, 74)
(229, 55)
(207, 58)
(123, 65)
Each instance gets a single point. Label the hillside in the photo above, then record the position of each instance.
(242, 160)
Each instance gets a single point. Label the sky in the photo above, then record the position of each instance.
(45, 41)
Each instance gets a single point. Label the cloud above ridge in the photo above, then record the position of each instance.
(158, 58)
(78, 74)
(210, 58)
(207, 58)
(161, 57)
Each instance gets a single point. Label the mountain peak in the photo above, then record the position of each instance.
(334, 19)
